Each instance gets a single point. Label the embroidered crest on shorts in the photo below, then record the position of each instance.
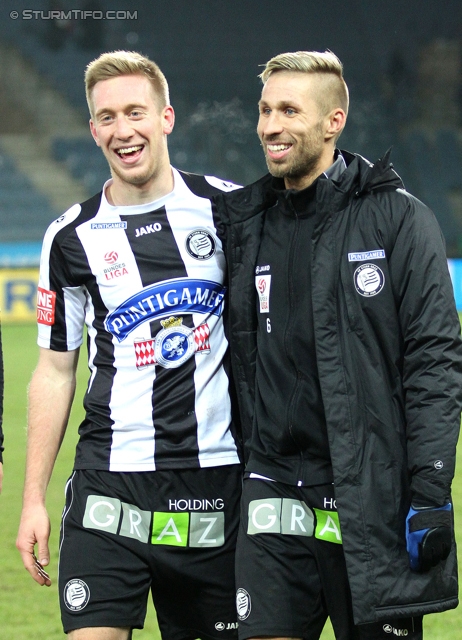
(200, 244)
(369, 280)
(243, 604)
(76, 595)
(173, 345)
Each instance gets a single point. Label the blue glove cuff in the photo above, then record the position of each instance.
(419, 523)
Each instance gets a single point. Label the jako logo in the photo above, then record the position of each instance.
(261, 269)
(402, 633)
(111, 257)
(149, 228)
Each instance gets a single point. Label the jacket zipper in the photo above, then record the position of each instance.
(287, 342)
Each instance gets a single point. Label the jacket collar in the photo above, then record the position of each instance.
(360, 177)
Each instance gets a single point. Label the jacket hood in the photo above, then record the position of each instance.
(367, 176)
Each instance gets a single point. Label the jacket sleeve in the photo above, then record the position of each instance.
(1, 397)
(432, 352)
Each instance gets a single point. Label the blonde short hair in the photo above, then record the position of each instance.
(326, 64)
(125, 63)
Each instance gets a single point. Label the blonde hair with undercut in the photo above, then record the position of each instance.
(125, 63)
(326, 64)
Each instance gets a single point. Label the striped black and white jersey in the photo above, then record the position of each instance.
(148, 283)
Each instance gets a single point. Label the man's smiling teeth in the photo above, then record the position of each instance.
(129, 150)
(278, 147)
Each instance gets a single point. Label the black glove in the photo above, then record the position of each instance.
(428, 536)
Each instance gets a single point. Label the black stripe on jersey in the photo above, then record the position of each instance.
(96, 428)
(174, 417)
(199, 185)
(60, 267)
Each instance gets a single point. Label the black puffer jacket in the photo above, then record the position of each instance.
(390, 368)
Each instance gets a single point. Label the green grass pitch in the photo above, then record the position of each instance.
(29, 611)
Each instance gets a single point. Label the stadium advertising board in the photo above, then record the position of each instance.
(18, 292)
(18, 295)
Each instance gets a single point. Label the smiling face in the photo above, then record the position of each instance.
(131, 128)
(298, 139)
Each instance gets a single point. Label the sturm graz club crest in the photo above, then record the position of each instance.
(369, 280)
(76, 594)
(200, 244)
(243, 604)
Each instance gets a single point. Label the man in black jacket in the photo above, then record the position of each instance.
(347, 360)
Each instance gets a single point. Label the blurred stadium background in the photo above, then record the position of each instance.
(403, 65)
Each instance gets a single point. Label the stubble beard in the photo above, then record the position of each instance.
(304, 162)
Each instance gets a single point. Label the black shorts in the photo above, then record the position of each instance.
(290, 568)
(171, 532)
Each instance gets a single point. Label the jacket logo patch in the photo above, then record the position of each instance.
(369, 280)
(366, 255)
(200, 244)
(263, 285)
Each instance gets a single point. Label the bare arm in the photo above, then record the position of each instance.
(51, 393)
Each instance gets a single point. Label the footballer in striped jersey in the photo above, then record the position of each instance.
(153, 501)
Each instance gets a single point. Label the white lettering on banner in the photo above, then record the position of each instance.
(271, 518)
(298, 514)
(170, 529)
(330, 527)
(195, 504)
(134, 523)
(203, 539)
(109, 520)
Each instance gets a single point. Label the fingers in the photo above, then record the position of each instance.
(35, 568)
(41, 571)
(43, 553)
(34, 530)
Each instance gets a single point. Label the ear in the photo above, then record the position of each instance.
(94, 132)
(168, 119)
(335, 122)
